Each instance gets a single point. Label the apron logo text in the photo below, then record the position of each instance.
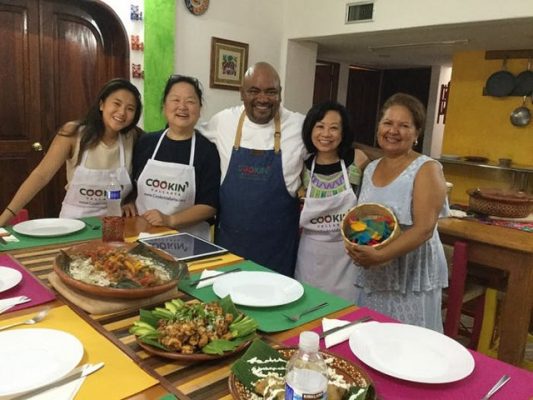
(255, 173)
(168, 186)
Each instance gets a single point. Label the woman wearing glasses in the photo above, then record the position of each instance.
(177, 170)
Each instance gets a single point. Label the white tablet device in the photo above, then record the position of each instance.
(184, 246)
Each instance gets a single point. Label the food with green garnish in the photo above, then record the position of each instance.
(189, 328)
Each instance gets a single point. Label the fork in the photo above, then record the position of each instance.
(296, 317)
(36, 318)
(503, 380)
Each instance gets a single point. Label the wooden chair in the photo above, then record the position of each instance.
(21, 216)
(489, 338)
(460, 292)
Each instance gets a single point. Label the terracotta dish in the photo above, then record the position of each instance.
(176, 269)
(174, 355)
(352, 373)
(500, 203)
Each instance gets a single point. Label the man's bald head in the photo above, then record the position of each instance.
(261, 92)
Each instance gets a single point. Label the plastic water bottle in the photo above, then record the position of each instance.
(307, 372)
(113, 191)
(113, 222)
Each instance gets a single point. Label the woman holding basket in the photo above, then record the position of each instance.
(331, 178)
(404, 279)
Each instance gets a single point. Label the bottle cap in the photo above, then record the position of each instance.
(309, 341)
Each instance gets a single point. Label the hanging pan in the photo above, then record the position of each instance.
(500, 83)
(524, 82)
(521, 115)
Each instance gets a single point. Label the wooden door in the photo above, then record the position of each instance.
(326, 81)
(59, 63)
(362, 102)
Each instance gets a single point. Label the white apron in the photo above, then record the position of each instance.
(86, 194)
(169, 188)
(322, 260)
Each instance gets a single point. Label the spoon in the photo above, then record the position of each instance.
(36, 318)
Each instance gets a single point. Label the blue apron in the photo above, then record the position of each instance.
(258, 218)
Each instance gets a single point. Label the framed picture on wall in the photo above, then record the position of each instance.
(229, 61)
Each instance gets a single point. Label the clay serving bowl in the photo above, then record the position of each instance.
(176, 269)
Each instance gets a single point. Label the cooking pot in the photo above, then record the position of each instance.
(500, 83)
(500, 203)
(521, 115)
(524, 82)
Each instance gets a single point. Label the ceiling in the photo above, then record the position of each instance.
(425, 46)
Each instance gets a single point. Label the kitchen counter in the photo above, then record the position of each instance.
(509, 250)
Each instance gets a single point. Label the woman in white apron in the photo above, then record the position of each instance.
(177, 170)
(322, 261)
(92, 148)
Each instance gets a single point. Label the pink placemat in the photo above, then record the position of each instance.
(30, 286)
(486, 372)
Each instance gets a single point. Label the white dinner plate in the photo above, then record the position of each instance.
(30, 358)
(49, 227)
(258, 289)
(411, 352)
(9, 277)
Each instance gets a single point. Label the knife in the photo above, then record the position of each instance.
(214, 276)
(340, 328)
(79, 372)
(14, 301)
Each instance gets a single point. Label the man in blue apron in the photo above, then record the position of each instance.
(261, 156)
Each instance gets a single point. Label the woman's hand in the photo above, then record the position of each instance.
(364, 256)
(129, 210)
(156, 218)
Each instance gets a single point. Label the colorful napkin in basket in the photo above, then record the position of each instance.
(29, 286)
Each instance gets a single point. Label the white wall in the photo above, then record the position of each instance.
(311, 18)
(122, 9)
(258, 23)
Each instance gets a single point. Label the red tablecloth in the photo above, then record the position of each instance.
(486, 372)
(29, 286)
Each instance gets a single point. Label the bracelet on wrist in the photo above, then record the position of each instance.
(11, 211)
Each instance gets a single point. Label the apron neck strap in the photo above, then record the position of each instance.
(277, 132)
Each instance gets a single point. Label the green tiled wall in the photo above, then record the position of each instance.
(159, 39)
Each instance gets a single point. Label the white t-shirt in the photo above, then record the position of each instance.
(222, 127)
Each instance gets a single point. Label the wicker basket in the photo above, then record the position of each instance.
(367, 210)
(500, 203)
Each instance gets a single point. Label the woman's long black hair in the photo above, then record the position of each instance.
(92, 126)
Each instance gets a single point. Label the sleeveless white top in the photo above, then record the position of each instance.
(425, 267)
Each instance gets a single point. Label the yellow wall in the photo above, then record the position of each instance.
(479, 125)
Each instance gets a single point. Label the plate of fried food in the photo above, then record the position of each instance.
(194, 331)
(260, 374)
(118, 270)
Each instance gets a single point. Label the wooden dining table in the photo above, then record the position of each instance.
(209, 380)
(206, 380)
(508, 250)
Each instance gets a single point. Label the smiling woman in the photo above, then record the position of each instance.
(92, 148)
(176, 170)
(404, 278)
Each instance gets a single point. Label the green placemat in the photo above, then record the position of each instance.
(92, 230)
(271, 319)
